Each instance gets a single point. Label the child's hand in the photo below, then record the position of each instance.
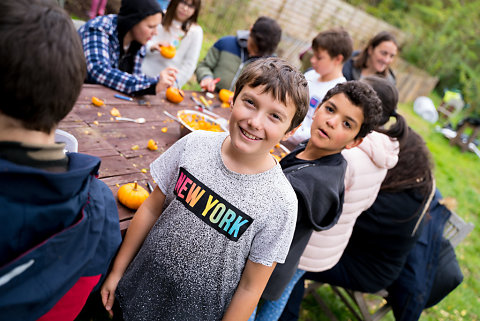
(108, 292)
(208, 84)
(158, 45)
(167, 79)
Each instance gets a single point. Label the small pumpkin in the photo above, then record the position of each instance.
(174, 95)
(132, 195)
(225, 95)
(168, 51)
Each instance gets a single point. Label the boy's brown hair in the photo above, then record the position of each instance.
(42, 65)
(336, 41)
(364, 97)
(282, 80)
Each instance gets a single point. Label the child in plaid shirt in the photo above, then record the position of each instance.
(114, 47)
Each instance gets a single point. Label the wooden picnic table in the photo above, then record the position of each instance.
(100, 134)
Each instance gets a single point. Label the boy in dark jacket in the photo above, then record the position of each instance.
(59, 222)
(316, 170)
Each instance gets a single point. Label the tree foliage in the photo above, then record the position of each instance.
(443, 39)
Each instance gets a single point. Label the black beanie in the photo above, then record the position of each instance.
(134, 11)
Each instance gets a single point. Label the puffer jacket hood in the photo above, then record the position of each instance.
(382, 151)
(59, 230)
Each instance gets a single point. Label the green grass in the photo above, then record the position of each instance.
(458, 176)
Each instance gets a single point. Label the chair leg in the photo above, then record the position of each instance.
(347, 302)
(362, 304)
(355, 301)
(311, 288)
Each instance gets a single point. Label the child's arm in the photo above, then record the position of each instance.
(254, 279)
(142, 222)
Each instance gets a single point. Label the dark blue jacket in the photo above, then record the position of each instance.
(411, 291)
(58, 233)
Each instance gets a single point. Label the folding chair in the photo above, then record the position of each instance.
(71, 143)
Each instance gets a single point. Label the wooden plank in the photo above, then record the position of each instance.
(114, 166)
(99, 134)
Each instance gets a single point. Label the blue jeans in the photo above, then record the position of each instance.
(271, 310)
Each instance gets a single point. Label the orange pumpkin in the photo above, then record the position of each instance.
(132, 195)
(174, 95)
(168, 51)
(225, 95)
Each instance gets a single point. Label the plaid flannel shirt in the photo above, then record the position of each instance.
(102, 52)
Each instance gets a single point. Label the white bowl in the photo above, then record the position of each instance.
(221, 122)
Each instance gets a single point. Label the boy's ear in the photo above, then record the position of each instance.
(354, 143)
(339, 59)
(290, 133)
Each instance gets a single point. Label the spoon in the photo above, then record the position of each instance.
(138, 120)
(172, 117)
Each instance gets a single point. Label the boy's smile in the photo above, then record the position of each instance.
(258, 122)
(335, 124)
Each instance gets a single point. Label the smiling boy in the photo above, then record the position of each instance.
(316, 170)
(207, 237)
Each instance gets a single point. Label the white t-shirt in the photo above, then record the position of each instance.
(317, 90)
(214, 219)
(186, 57)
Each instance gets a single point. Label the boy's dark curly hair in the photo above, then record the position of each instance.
(363, 96)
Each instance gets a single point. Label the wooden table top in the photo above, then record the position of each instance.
(99, 134)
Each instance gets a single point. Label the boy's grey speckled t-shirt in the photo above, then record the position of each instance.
(214, 220)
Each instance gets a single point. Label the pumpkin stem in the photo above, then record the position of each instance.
(135, 186)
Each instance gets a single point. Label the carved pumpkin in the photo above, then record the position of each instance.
(168, 51)
(225, 95)
(132, 195)
(174, 95)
